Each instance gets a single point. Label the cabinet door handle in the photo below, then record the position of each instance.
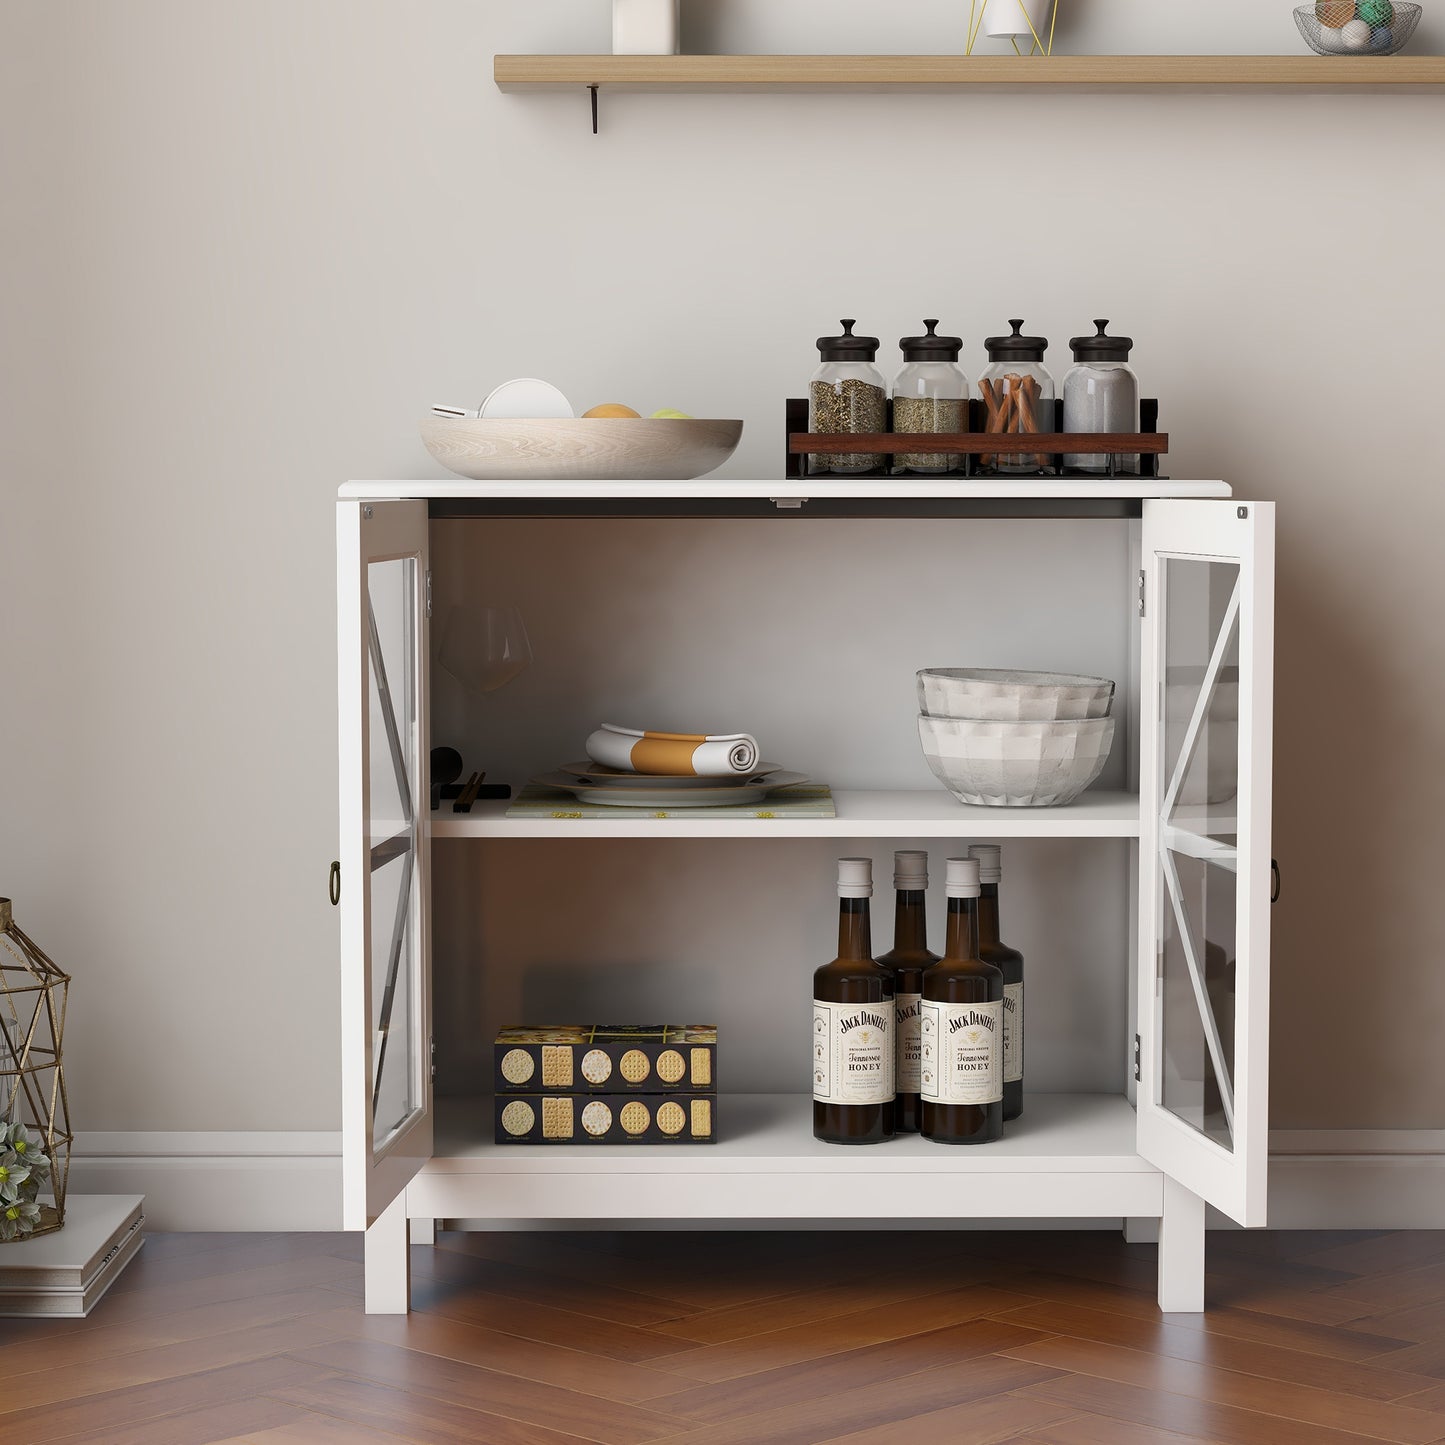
(1275, 884)
(334, 883)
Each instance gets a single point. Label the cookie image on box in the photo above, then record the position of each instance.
(556, 1067)
(621, 1120)
(517, 1066)
(634, 1117)
(605, 1059)
(518, 1117)
(557, 1119)
(633, 1066)
(596, 1066)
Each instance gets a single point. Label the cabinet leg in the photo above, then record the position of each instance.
(388, 1263)
(423, 1231)
(1181, 1251)
(1141, 1231)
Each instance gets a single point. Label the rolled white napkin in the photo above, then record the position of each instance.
(632, 750)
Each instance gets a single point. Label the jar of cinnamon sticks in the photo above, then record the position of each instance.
(1018, 394)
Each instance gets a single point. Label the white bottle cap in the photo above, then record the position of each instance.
(910, 872)
(962, 878)
(990, 861)
(855, 878)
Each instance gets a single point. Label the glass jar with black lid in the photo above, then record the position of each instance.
(847, 395)
(930, 394)
(1018, 392)
(1101, 394)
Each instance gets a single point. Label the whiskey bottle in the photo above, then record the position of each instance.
(1010, 962)
(906, 961)
(853, 1025)
(962, 1032)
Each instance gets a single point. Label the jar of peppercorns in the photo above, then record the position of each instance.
(846, 396)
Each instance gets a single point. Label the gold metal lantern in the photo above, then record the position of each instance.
(34, 1112)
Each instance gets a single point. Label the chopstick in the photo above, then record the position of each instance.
(468, 794)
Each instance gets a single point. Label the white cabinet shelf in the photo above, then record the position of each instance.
(714, 488)
(1072, 1154)
(861, 814)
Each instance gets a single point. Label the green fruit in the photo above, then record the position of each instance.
(668, 414)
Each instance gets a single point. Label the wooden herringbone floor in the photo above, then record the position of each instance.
(745, 1339)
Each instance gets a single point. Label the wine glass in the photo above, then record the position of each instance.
(484, 648)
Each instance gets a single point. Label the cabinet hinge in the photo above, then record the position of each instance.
(1137, 1075)
(432, 1054)
(1141, 594)
(428, 591)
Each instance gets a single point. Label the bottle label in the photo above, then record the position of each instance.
(962, 1052)
(1013, 1032)
(853, 1052)
(907, 1008)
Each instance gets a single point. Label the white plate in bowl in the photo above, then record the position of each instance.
(671, 797)
(525, 398)
(596, 775)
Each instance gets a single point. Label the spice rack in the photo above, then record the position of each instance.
(1148, 443)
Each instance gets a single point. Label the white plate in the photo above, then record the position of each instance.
(526, 398)
(669, 797)
(598, 776)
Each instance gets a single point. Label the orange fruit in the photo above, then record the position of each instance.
(610, 409)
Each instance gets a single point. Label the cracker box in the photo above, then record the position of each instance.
(606, 1059)
(681, 1118)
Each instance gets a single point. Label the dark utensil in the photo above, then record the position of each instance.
(446, 768)
(468, 795)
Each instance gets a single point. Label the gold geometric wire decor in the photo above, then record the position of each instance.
(34, 1112)
(1042, 38)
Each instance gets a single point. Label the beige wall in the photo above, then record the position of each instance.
(246, 244)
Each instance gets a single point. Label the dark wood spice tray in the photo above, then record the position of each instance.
(1148, 444)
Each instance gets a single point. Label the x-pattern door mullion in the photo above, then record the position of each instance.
(1201, 705)
(388, 717)
(1201, 990)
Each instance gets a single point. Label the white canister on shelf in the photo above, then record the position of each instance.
(644, 27)
(1006, 19)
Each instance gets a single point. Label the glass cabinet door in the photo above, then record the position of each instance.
(387, 1132)
(1206, 669)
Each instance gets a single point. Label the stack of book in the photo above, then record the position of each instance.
(65, 1273)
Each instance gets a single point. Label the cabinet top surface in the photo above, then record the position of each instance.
(891, 488)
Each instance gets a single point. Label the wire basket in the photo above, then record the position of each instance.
(1357, 27)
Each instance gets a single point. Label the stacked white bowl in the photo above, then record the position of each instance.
(1014, 739)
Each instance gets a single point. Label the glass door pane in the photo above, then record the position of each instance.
(1198, 789)
(392, 826)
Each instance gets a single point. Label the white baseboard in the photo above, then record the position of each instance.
(1357, 1179)
(1318, 1178)
(217, 1181)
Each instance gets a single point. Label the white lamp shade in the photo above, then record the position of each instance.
(1005, 18)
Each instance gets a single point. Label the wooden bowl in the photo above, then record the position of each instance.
(580, 449)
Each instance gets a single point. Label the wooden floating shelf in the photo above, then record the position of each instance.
(958, 72)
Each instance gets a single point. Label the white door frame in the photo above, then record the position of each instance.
(1234, 1181)
(372, 1180)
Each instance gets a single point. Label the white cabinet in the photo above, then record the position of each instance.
(1170, 1110)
